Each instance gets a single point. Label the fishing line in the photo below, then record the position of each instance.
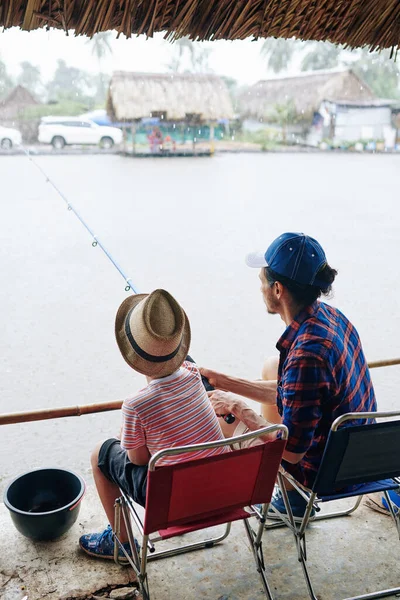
(96, 241)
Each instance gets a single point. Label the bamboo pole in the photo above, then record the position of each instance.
(389, 362)
(43, 414)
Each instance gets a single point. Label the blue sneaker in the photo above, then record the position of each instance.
(297, 503)
(394, 495)
(101, 545)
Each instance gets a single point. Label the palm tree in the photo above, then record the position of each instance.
(183, 46)
(279, 52)
(322, 55)
(197, 53)
(101, 48)
(6, 81)
(379, 71)
(30, 77)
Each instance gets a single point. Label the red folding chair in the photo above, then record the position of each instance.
(202, 493)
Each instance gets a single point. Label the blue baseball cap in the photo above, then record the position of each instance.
(296, 256)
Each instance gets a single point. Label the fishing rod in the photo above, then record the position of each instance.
(57, 413)
(77, 411)
(96, 241)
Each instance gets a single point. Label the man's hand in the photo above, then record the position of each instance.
(216, 379)
(225, 403)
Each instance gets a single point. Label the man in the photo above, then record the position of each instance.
(321, 372)
(153, 335)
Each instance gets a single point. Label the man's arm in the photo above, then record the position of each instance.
(228, 403)
(225, 403)
(261, 391)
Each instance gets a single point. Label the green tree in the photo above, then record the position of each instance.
(321, 55)
(379, 71)
(279, 52)
(285, 114)
(101, 48)
(30, 77)
(6, 81)
(71, 84)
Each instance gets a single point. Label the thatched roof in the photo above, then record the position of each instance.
(353, 22)
(13, 105)
(21, 96)
(306, 90)
(177, 97)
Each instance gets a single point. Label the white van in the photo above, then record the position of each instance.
(60, 131)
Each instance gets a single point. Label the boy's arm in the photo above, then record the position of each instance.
(132, 434)
(139, 456)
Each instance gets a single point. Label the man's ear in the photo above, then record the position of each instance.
(279, 289)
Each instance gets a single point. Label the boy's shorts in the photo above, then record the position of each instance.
(115, 465)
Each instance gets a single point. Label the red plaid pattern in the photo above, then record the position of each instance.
(322, 374)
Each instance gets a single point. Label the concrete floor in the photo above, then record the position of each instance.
(346, 556)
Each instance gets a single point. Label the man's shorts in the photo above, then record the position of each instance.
(115, 465)
(241, 428)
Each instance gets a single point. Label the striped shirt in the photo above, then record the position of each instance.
(171, 411)
(322, 374)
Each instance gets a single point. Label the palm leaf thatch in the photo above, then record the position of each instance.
(306, 91)
(355, 23)
(177, 97)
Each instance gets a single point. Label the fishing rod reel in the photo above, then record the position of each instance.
(229, 418)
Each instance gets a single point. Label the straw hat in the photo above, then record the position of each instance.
(153, 333)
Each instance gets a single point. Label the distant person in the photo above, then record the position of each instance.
(153, 335)
(167, 145)
(155, 140)
(320, 373)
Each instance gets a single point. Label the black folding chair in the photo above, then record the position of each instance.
(358, 460)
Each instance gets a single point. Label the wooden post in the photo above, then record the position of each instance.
(194, 140)
(212, 142)
(133, 132)
(124, 136)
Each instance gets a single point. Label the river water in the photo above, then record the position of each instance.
(185, 225)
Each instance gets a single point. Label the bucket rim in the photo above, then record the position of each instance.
(75, 502)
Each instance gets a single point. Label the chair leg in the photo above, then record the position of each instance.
(258, 557)
(394, 511)
(190, 547)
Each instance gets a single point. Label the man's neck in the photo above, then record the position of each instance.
(289, 312)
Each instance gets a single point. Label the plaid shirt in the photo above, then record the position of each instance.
(322, 374)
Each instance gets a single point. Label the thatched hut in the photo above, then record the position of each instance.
(374, 22)
(13, 108)
(176, 99)
(305, 91)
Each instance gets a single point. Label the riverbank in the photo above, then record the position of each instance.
(200, 150)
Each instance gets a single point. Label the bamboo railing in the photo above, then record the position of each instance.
(87, 409)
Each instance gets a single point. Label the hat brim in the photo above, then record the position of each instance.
(256, 260)
(132, 358)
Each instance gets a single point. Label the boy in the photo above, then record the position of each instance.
(153, 335)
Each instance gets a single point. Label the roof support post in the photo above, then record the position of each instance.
(212, 141)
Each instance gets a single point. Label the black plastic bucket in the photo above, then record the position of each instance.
(44, 503)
